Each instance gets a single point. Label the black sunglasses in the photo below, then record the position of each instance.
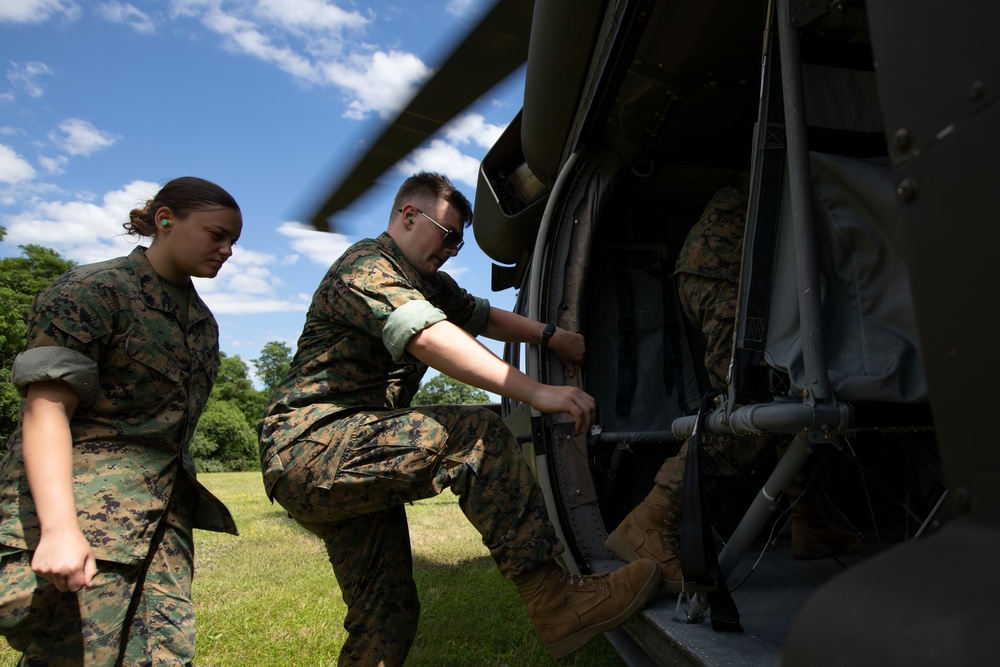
(452, 239)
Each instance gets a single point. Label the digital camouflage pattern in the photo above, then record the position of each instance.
(708, 271)
(131, 431)
(342, 451)
(361, 470)
(714, 245)
(708, 276)
(53, 629)
(341, 361)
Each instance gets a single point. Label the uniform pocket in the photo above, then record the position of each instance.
(147, 353)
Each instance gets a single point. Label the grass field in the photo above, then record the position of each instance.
(269, 598)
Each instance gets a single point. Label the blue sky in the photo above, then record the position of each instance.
(104, 101)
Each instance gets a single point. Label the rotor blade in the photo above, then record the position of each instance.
(494, 49)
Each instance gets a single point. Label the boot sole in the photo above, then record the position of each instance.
(567, 646)
(620, 548)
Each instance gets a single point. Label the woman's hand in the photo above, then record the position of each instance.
(64, 557)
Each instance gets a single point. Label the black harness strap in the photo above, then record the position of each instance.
(762, 231)
(698, 557)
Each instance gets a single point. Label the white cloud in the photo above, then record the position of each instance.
(443, 158)
(320, 247)
(473, 127)
(54, 165)
(26, 76)
(78, 137)
(243, 36)
(36, 11)
(130, 15)
(246, 285)
(381, 82)
(317, 43)
(309, 15)
(13, 167)
(80, 230)
(87, 232)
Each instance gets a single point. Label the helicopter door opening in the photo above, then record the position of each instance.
(826, 348)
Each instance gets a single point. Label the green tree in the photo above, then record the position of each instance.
(224, 439)
(232, 384)
(221, 441)
(274, 361)
(443, 390)
(21, 278)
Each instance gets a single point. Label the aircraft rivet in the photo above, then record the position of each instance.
(902, 139)
(907, 189)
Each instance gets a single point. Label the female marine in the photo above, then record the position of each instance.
(98, 496)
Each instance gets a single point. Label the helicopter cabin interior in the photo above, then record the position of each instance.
(666, 104)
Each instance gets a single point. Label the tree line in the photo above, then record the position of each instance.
(226, 437)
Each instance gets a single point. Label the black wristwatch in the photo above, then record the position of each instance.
(547, 334)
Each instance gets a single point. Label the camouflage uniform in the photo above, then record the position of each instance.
(143, 371)
(708, 277)
(342, 451)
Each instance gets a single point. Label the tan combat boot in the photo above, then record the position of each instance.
(814, 532)
(650, 531)
(567, 610)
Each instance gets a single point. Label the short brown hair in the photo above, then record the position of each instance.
(435, 186)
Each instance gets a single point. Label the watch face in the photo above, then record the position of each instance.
(547, 333)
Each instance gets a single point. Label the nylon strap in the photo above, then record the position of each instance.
(699, 559)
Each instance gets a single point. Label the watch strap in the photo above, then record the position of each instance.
(547, 334)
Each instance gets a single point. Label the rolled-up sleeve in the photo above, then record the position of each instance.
(407, 321)
(480, 316)
(40, 364)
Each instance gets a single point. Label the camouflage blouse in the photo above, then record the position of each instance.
(113, 333)
(714, 245)
(352, 351)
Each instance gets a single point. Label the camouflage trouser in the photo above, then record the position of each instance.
(54, 629)
(710, 304)
(347, 482)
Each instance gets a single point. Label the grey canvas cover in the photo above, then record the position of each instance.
(869, 329)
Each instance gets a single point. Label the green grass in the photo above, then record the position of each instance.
(269, 598)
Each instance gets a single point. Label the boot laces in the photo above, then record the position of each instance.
(584, 580)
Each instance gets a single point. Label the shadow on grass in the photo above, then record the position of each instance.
(471, 615)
